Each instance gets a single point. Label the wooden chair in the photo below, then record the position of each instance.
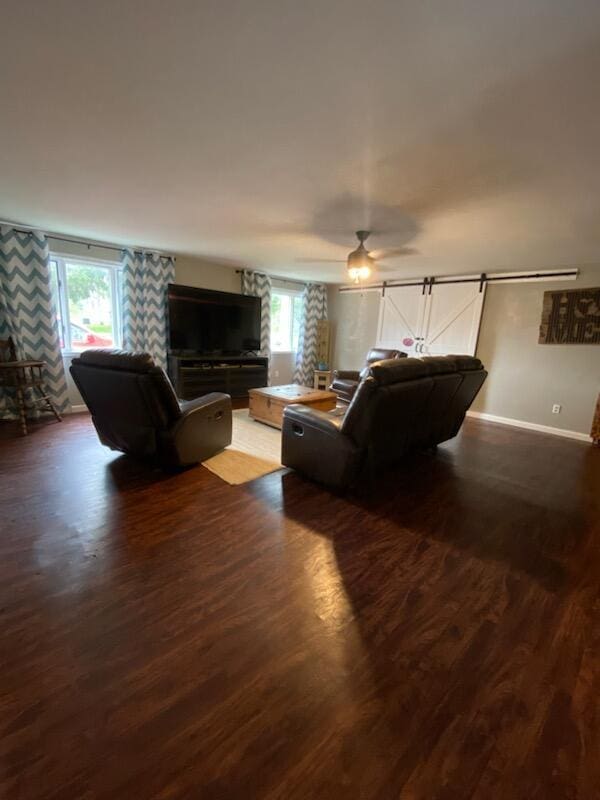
(22, 376)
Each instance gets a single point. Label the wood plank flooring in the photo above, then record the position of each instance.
(170, 636)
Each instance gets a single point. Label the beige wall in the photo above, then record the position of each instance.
(206, 274)
(525, 378)
(353, 317)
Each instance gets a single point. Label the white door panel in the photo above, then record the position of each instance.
(452, 318)
(401, 318)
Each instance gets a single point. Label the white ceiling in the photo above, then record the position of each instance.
(268, 131)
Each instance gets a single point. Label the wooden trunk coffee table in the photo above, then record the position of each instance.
(266, 405)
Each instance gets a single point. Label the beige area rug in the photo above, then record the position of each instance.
(255, 450)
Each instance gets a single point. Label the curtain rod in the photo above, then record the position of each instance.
(278, 277)
(85, 242)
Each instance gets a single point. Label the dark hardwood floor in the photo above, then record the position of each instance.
(170, 636)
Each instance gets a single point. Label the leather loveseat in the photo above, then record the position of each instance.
(345, 381)
(400, 405)
(135, 409)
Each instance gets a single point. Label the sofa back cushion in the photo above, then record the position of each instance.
(403, 404)
(385, 410)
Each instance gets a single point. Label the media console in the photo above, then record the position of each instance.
(193, 376)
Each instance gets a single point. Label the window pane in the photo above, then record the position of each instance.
(281, 318)
(296, 320)
(90, 306)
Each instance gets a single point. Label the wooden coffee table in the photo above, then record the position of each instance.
(266, 405)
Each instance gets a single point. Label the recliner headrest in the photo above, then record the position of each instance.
(439, 364)
(117, 359)
(465, 363)
(398, 369)
(383, 354)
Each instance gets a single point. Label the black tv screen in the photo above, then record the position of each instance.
(212, 323)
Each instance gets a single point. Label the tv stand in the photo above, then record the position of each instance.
(194, 375)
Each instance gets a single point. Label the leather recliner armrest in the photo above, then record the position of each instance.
(313, 444)
(346, 374)
(187, 406)
(202, 430)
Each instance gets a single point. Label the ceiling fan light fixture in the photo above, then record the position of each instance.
(360, 263)
(358, 274)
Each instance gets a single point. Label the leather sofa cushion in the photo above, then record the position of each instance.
(439, 365)
(396, 370)
(466, 363)
(118, 359)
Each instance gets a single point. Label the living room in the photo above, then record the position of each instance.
(300, 400)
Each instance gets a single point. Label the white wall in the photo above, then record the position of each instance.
(525, 378)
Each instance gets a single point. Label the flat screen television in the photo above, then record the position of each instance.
(212, 323)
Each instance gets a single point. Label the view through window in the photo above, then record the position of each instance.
(286, 314)
(87, 303)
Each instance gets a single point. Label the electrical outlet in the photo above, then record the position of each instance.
(556, 408)
(276, 373)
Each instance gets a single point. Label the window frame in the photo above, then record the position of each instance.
(292, 294)
(115, 271)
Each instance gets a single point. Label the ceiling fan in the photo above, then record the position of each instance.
(361, 262)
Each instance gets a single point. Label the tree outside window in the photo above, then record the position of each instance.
(286, 315)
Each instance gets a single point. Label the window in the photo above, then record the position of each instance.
(87, 300)
(286, 314)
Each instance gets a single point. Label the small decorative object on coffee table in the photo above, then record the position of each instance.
(267, 405)
(322, 378)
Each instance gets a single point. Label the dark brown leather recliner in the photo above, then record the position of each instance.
(401, 405)
(135, 409)
(345, 381)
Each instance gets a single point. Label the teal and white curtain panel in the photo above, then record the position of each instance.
(314, 308)
(27, 312)
(145, 279)
(260, 285)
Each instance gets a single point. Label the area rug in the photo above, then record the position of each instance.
(255, 450)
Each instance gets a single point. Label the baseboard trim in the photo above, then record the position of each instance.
(78, 409)
(531, 426)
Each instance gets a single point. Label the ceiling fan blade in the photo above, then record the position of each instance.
(393, 252)
(320, 260)
(387, 268)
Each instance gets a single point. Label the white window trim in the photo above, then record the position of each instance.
(61, 260)
(290, 293)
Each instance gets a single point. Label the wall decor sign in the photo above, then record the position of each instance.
(571, 317)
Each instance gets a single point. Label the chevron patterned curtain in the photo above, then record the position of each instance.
(260, 285)
(314, 308)
(27, 312)
(145, 279)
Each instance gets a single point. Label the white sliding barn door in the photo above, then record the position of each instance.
(452, 317)
(401, 318)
